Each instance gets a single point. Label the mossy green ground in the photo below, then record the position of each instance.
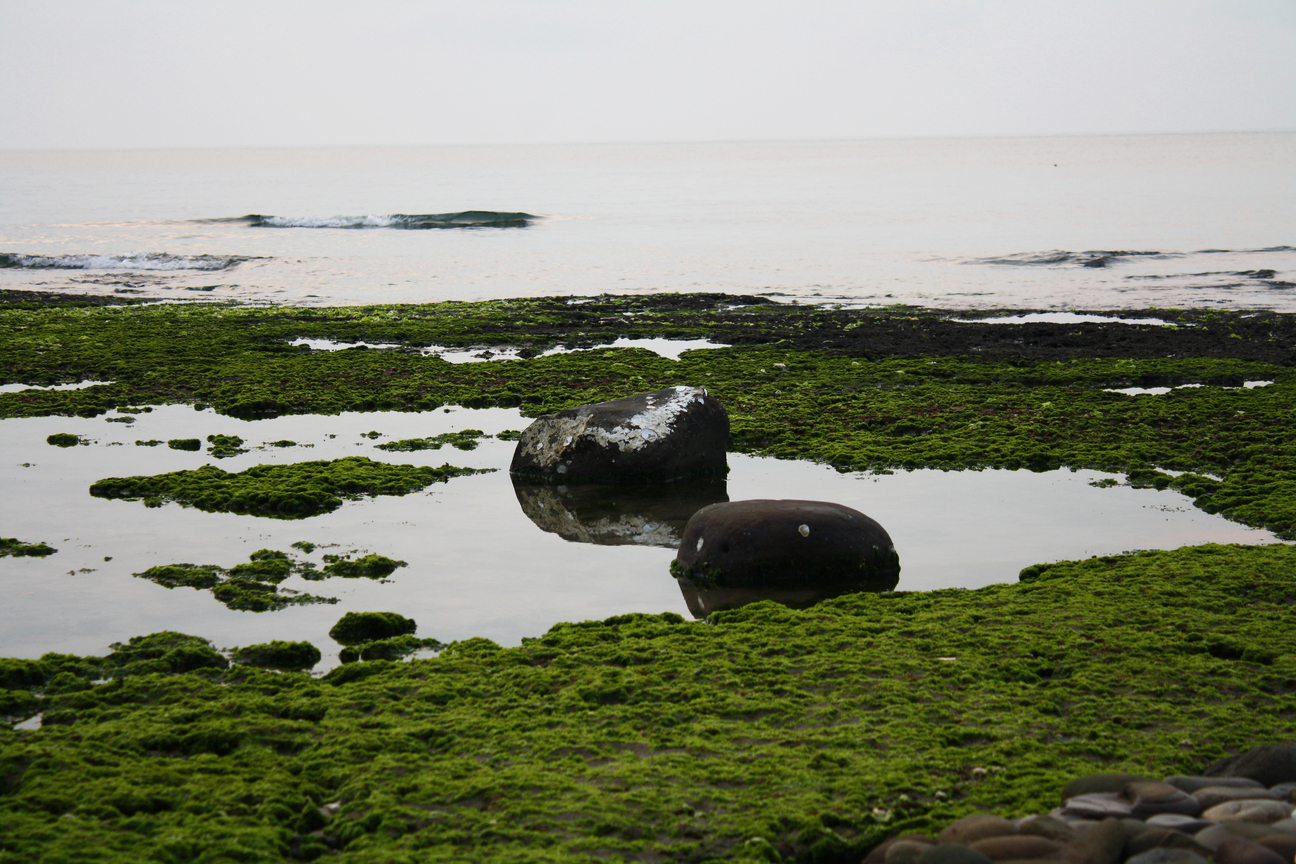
(767, 733)
(819, 731)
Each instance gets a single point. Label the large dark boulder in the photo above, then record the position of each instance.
(775, 543)
(1268, 764)
(656, 437)
(652, 515)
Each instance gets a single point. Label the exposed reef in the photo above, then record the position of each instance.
(12, 546)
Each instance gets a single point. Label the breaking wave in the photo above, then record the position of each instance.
(466, 219)
(1103, 258)
(136, 261)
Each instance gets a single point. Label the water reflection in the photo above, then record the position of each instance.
(702, 601)
(618, 515)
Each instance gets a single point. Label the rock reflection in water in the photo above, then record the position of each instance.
(703, 601)
(619, 515)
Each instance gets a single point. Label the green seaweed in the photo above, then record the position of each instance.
(371, 566)
(185, 443)
(64, 439)
(295, 491)
(12, 546)
(225, 446)
(248, 587)
(357, 628)
(153, 442)
(765, 734)
(465, 439)
(394, 648)
(277, 655)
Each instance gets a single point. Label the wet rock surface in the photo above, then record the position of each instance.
(786, 544)
(669, 434)
(610, 515)
(1111, 818)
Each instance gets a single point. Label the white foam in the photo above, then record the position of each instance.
(1060, 318)
(129, 261)
(333, 345)
(370, 221)
(1161, 391)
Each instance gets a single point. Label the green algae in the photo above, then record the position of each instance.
(225, 446)
(12, 546)
(357, 628)
(248, 587)
(64, 439)
(277, 655)
(185, 443)
(152, 442)
(821, 731)
(394, 648)
(295, 491)
(465, 439)
(369, 566)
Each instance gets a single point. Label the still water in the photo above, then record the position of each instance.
(478, 563)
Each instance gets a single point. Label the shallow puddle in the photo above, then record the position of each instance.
(484, 558)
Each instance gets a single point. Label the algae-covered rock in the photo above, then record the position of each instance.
(388, 649)
(786, 543)
(278, 655)
(63, 439)
(167, 651)
(185, 444)
(371, 566)
(292, 491)
(355, 628)
(17, 705)
(224, 446)
(18, 674)
(12, 546)
(653, 437)
(465, 439)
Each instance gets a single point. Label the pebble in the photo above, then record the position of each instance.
(1235, 812)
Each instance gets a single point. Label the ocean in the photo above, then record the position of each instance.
(1042, 223)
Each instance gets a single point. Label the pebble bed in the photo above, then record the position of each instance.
(1239, 811)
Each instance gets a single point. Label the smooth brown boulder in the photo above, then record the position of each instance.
(1261, 810)
(1098, 805)
(1268, 765)
(907, 851)
(1163, 838)
(786, 543)
(976, 827)
(952, 853)
(1162, 855)
(880, 851)
(1017, 847)
(1192, 784)
(1097, 783)
(1210, 796)
(1101, 844)
(1221, 831)
(1239, 850)
(1283, 844)
(1148, 798)
(654, 437)
(1047, 826)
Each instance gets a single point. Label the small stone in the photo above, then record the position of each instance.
(1163, 838)
(1284, 791)
(1101, 844)
(906, 851)
(1047, 826)
(1098, 805)
(1150, 798)
(1260, 810)
(976, 827)
(1017, 847)
(952, 853)
(1283, 844)
(1268, 765)
(1211, 796)
(1167, 856)
(1177, 822)
(1221, 831)
(1286, 826)
(1092, 783)
(879, 853)
(1239, 850)
(1192, 784)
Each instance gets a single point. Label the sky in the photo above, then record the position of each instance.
(106, 74)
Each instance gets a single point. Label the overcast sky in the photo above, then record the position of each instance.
(271, 73)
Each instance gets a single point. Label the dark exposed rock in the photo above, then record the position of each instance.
(654, 437)
(1238, 850)
(1192, 784)
(1269, 764)
(978, 826)
(952, 853)
(788, 544)
(1099, 783)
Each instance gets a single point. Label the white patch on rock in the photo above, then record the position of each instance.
(699, 546)
(803, 530)
(658, 419)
